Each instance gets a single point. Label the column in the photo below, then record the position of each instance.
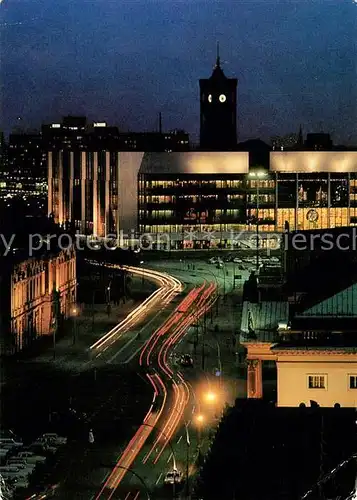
(254, 379)
(276, 205)
(328, 200)
(297, 203)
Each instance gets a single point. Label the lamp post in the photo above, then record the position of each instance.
(199, 419)
(57, 310)
(188, 443)
(108, 298)
(217, 285)
(74, 312)
(258, 174)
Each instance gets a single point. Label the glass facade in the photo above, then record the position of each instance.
(204, 203)
(300, 201)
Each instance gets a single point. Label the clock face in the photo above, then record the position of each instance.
(222, 98)
(312, 215)
(210, 98)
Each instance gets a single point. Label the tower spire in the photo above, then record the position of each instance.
(218, 59)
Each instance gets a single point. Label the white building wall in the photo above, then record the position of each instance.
(293, 386)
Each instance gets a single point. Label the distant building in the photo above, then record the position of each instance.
(36, 296)
(218, 111)
(318, 142)
(78, 133)
(283, 143)
(25, 171)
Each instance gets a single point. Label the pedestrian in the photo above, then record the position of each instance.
(91, 437)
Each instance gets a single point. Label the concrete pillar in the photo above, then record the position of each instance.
(254, 379)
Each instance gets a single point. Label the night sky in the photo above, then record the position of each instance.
(124, 61)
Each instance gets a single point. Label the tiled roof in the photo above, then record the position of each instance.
(264, 316)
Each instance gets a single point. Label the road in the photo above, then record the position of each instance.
(171, 434)
(171, 397)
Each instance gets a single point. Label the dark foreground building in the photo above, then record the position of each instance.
(263, 452)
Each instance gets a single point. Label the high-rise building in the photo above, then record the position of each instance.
(92, 189)
(25, 172)
(76, 132)
(218, 111)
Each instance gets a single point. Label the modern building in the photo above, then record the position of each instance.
(220, 192)
(94, 189)
(25, 171)
(314, 189)
(218, 111)
(205, 193)
(36, 295)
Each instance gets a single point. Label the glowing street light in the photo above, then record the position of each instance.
(210, 397)
(200, 419)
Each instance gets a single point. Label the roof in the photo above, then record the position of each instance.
(263, 318)
(341, 304)
(313, 161)
(195, 162)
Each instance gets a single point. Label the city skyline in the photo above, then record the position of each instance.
(121, 62)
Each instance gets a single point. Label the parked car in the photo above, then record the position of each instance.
(14, 461)
(186, 360)
(173, 477)
(15, 473)
(236, 260)
(42, 448)
(31, 457)
(11, 442)
(20, 482)
(55, 438)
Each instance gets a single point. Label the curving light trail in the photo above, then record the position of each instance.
(155, 352)
(169, 287)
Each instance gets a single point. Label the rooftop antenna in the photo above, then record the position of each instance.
(218, 59)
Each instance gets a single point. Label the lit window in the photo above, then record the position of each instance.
(317, 381)
(353, 381)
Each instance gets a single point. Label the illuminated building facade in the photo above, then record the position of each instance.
(31, 293)
(315, 189)
(199, 192)
(93, 190)
(25, 171)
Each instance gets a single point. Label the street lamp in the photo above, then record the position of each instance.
(211, 397)
(217, 287)
(74, 314)
(258, 174)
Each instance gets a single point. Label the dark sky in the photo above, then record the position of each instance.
(124, 61)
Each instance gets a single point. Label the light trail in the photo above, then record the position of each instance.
(169, 334)
(169, 287)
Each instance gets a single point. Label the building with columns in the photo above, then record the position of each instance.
(36, 293)
(95, 190)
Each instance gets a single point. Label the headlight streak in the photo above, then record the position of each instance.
(174, 328)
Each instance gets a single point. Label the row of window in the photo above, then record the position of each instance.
(319, 381)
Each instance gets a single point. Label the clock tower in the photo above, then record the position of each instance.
(218, 110)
